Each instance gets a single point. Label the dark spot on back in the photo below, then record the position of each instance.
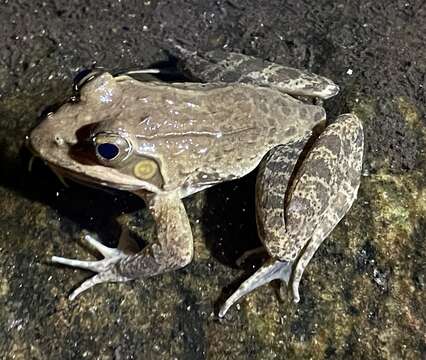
(332, 142)
(319, 168)
(288, 73)
(303, 112)
(230, 76)
(286, 110)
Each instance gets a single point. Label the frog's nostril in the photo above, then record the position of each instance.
(59, 140)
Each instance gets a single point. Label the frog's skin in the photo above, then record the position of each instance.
(164, 142)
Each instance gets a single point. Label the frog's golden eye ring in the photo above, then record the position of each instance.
(145, 169)
(111, 148)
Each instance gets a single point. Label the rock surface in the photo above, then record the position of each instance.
(363, 295)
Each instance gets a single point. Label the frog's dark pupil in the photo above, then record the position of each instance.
(108, 151)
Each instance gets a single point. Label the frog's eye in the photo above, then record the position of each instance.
(107, 151)
(111, 148)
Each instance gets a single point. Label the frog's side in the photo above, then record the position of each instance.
(166, 141)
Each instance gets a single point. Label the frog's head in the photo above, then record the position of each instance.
(71, 141)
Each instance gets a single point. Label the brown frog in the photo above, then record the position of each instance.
(165, 141)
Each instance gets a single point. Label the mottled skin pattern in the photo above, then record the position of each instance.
(197, 126)
(340, 148)
(272, 191)
(333, 161)
(322, 188)
(231, 67)
(168, 141)
(194, 131)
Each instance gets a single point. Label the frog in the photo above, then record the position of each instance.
(165, 141)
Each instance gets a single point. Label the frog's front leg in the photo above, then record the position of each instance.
(221, 66)
(323, 188)
(173, 248)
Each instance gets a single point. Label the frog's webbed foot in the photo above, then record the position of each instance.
(271, 270)
(104, 268)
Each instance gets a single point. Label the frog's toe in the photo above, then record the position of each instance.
(82, 264)
(106, 251)
(85, 285)
(272, 270)
(111, 256)
(107, 276)
(95, 266)
(295, 288)
(104, 268)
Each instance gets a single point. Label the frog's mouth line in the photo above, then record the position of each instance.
(95, 176)
(89, 181)
(63, 174)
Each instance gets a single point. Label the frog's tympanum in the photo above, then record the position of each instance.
(165, 141)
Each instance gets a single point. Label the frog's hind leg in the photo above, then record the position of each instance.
(221, 66)
(289, 80)
(272, 182)
(341, 148)
(349, 128)
(173, 248)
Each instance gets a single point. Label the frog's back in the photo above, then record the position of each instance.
(248, 121)
(214, 131)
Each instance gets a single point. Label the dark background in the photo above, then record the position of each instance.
(362, 294)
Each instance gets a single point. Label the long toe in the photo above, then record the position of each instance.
(82, 264)
(108, 276)
(271, 270)
(106, 251)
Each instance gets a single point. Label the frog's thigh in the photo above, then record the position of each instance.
(350, 129)
(272, 181)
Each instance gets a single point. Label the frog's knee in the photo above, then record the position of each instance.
(283, 249)
(184, 258)
(177, 258)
